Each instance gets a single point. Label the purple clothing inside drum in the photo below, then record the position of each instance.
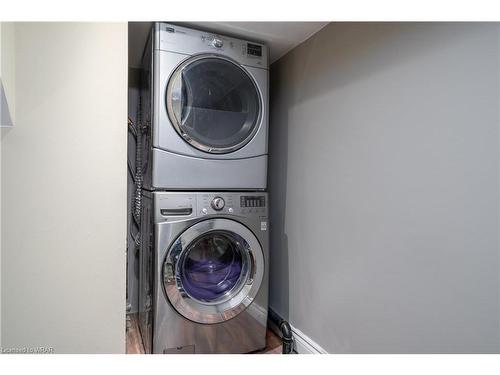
(208, 280)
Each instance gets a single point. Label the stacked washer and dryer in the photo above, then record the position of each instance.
(204, 255)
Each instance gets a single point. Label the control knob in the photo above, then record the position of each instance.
(217, 43)
(218, 203)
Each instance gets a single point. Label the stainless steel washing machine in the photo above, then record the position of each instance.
(206, 98)
(204, 272)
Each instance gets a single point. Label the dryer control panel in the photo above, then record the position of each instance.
(179, 39)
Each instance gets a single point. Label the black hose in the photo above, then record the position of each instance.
(287, 337)
(285, 331)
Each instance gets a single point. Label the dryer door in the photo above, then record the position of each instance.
(213, 103)
(213, 271)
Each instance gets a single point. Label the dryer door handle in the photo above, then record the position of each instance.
(176, 97)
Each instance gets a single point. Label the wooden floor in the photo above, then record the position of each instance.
(133, 337)
(134, 342)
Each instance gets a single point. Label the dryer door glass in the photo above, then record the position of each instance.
(213, 104)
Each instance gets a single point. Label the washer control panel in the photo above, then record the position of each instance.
(177, 206)
(232, 203)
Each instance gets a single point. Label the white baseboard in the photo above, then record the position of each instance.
(304, 344)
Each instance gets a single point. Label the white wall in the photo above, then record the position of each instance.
(384, 186)
(1, 25)
(64, 190)
(7, 75)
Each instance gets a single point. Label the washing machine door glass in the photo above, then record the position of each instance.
(213, 271)
(213, 103)
(213, 266)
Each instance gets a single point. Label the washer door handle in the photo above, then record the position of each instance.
(252, 267)
(168, 273)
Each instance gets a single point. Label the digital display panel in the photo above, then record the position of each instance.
(252, 201)
(254, 50)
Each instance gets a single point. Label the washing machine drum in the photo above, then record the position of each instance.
(213, 103)
(213, 271)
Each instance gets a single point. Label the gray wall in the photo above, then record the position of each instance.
(384, 183)
(63, 190)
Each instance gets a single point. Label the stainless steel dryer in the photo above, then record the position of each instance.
(209, 110)
(204, 272)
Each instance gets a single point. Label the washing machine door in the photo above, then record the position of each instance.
(213, 271)
(213, 103)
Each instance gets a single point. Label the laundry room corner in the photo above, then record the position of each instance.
(198, 211)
